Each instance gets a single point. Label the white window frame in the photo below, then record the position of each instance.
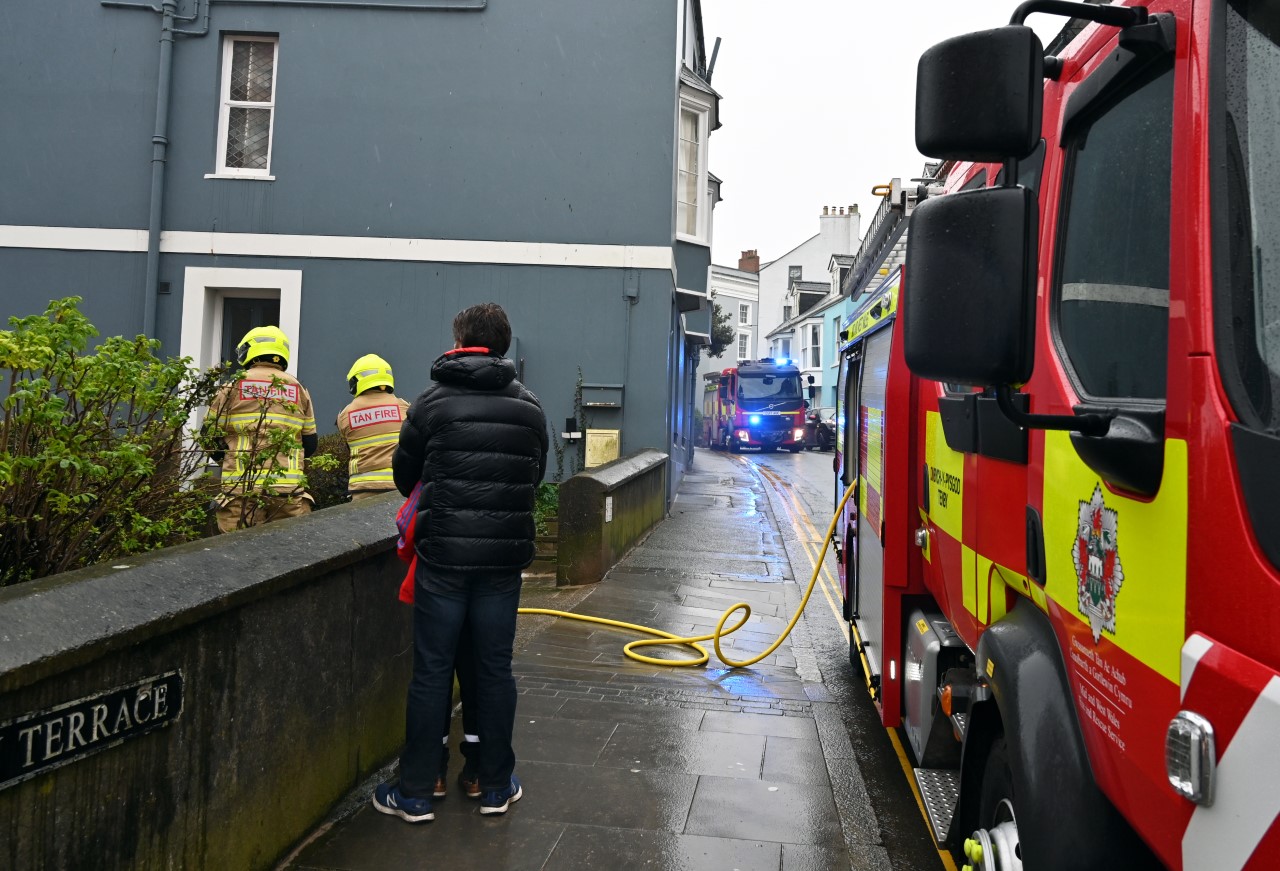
(815, 345)
(744, 314)
(224, 111)
(692, 101)
(744, 346)
(786, 313)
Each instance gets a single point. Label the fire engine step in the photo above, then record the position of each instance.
(940, 790)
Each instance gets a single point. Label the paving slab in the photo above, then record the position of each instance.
(371, 840)
(669, 748)
(787, 813)
(585, 848)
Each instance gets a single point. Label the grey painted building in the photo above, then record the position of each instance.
(363, 171)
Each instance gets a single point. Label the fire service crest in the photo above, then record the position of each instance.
(1099, 575)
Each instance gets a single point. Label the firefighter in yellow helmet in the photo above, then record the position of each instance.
(265, 406)
(371, 426)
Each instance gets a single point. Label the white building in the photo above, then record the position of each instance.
(839, 231)
(807, 336)
(737, 292)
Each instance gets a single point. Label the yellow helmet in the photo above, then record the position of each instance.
(263, 342)
(367, 372)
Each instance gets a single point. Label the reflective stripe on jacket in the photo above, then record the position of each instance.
(371, 426)
(246, 413)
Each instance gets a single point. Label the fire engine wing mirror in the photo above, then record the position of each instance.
(969, 297)
(979, 96)
(969, 289)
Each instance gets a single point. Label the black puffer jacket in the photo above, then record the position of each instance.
(477, 439)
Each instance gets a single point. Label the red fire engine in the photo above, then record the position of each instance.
(1062, 563)
(755, 405)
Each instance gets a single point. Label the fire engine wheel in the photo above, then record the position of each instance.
(995, 846)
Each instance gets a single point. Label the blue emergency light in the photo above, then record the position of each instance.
(754, 419)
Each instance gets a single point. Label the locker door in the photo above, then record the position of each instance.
(868, 600)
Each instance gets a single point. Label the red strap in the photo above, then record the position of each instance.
(467, 351)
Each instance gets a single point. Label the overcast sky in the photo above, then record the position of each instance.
(817, 106)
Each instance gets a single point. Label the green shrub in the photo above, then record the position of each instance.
(327, 471)
(95, 459)
(546, 505)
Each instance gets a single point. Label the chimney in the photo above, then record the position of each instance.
(842, 228)
(749, 261)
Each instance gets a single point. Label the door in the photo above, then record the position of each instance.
(868, 592)
(240, 314)
(846, 468)
(1115, 507)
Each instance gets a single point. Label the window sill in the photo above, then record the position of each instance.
(241, 177)
(693, 240)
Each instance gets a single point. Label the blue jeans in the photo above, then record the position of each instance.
(464, 668)
(486, 607)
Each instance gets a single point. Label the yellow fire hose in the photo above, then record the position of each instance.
(663, 637)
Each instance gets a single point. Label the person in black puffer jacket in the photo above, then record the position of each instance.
(477, 440)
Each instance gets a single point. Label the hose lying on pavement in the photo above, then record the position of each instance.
(663, 637)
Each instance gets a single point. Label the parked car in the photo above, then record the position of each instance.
(820, 428)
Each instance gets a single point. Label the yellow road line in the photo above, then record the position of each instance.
(945, 856)
(788, 492)
(809, 549)
(813, 545)
(799, 518)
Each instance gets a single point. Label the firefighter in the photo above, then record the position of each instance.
(371, 426)
(258, 487)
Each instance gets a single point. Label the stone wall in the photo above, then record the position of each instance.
(604, 511)
(293, 656)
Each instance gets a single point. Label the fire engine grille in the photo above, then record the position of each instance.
(940, 790)
(773, 428)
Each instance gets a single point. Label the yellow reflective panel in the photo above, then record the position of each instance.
(946, 479)
(1119, 565)
(968, 579)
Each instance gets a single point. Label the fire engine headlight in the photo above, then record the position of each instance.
(1189, 757)
(754, 420)
(799, 435)
(743, 435)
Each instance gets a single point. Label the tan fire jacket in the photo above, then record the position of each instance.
(246, 412)
(371, 426)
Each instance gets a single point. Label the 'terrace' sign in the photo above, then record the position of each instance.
(37, 742)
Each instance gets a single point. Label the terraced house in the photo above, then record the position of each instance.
(359, 171)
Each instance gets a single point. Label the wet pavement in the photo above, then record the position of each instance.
(627, 765)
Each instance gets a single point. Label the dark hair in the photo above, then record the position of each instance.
(483, 325)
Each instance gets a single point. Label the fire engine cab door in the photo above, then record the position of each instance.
(1116, 563)
(868, 601)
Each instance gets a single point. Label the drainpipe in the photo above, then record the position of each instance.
(160, 138)
(159, 155)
